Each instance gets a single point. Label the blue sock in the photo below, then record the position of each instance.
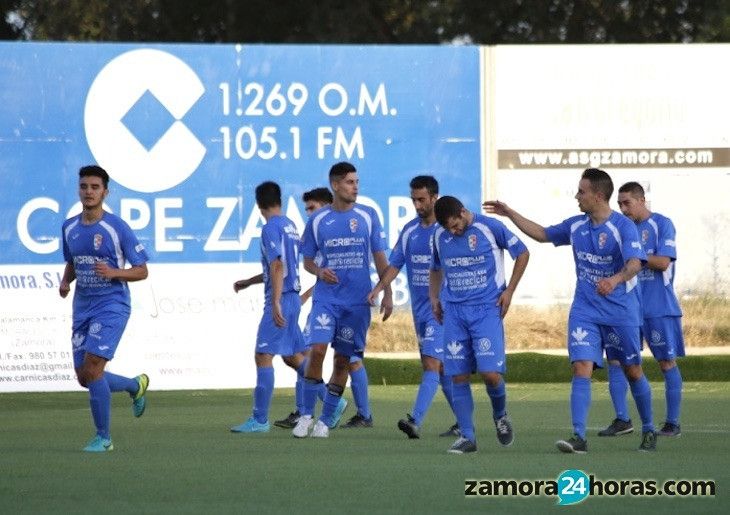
(331, 400)
(498, 395)
(121, 383)
(100, 400)
(299, 388)
(617, 387)
(447, 386)
(641, 391)
(262, 393)
(312, 388)
(464, 408)
(673, 393)
(426, 391)
(580, 404)
(359, 386)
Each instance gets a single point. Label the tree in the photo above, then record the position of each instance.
(373, 21)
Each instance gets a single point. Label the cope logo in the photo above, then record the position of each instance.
(152, 77)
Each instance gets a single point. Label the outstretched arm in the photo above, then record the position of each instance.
(530, 228)
(245, 283)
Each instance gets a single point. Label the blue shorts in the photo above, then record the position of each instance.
(281, 341)
(344, 327)
(474, 339)
(98, 335)
(664, 337)
(586, 341)
(430, 336)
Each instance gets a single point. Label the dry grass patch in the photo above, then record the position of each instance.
(706, 323)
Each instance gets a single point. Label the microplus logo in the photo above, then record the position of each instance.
(152, 78)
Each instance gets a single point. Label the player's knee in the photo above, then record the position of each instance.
(335, 389)
(492, 378)
(317, 353)
(667, 364)
(341, 363)
(633, 372)
(431, 364)
(354, 366)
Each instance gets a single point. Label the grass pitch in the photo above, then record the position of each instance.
(181, 458)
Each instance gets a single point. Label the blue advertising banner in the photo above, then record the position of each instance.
(187, 132)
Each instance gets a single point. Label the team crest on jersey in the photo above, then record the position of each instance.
(353, 224)
(644, 236)
(602, 238)
(472, 242)
(98, 238)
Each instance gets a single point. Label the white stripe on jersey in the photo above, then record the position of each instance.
(575, 226)
(631, 283)
(282, 252)
(437, 237)
(497, 254)
(667, 274)
(117, 244)
(368, 220)
(317, 220)
(68, 229)
(404, 238)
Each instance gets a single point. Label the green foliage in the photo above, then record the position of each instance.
(367, 22)
(533, 367)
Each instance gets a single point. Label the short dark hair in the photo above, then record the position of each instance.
(600, 181)
(425, 181)
(268, 194)
(633, 187)
(321, 195)
(447, 207)
(95, 171)
(339, 170)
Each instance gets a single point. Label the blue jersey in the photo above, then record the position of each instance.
(345, 241)
(600, 252)
(109, 240)
(657, 288)
(413, 249)
(280, 240)
(473, 263)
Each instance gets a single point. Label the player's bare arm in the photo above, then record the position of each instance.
(386, 304)
(629, 270)
(530, 228)
(135, 273)
(505, 299)
(277, 286)
(658, 263)
(434, 288)
(242, 284)
(390, 273)
(325, 274)
(69, 275)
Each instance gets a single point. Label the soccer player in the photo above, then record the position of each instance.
(344, 235)
(313, 200)
(413, 249)
(605, 310)
(470, 296)
(278, 332)
(662, 328)
(96, 248)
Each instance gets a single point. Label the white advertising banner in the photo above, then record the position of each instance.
(655, 114)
